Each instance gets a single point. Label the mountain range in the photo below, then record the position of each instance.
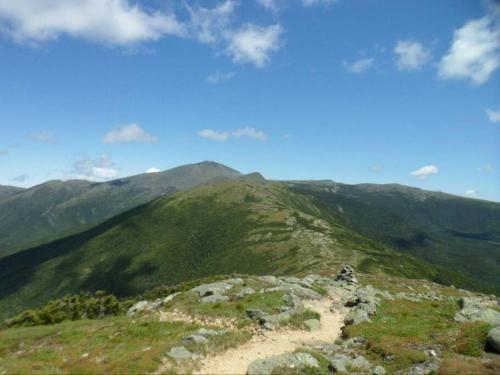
(130, 235)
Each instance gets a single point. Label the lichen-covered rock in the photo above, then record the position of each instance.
(246, 291)
(214, 298)
(180, 353)
(213, 288)
(139, 307)
(494, 339)
(379, 370)
(194, 340)
(312, 325)
(356, 316)
(296, 361)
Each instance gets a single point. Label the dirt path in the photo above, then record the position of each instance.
(235, 361)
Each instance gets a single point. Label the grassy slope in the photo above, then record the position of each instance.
(241, 226)
(452, 232)
(60, 208)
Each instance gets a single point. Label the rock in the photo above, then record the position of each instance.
(312, 325)
(301, 291)
(360, 363)
(160, 302)
(355, 317)
(180, 353)
(294, 302)
(274, 320)
(296, 361)
(194, 340)
(370, 307)
(255, 313)
(494, 339)
(207, 333)
(246, 291)
(340, 363)
(379, 370)
(139, 307)
(214, 298)
(269, 279)
(213, 288)
(474, 313)
(347, 275)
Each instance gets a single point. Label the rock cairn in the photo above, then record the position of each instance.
(347, 275)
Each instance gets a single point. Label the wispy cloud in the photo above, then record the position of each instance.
(272, 5)
(153, 170)
(411, 55)
(110, 22)
(219, 77)
(309, 3)
(3, 151)
(128, 133)
(222, 136)
(100, 169)
(359, 66)
(487, 168)
(424, 172)
(493, 115)
(254, 44)
(475, 52)
(377, 168)
(43, 137)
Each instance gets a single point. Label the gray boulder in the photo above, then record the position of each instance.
(356, 316)
(246, 291)
(269, 279)
(139, 307)
(214, 298)
(474, 313)
(340, 363)
(295, 361)
(213, 288)
(379, 370)
(180, 353)
(494, 339)
(312, 325)
(360, 363)
(207, 333)
(255, 313)
(194, 340)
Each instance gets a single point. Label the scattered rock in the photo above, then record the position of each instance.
(207, 333)
(494, 339)
(473, 310)
(284, 361)
(312, 325)
(339, 363)
(360, 363)
(180, 353)
(139, 307)
(379, 370)
(214, 298)
(194, 340)
(246, 291)
(255, 313)
(218, 288)
(356, 316)
(269, 279)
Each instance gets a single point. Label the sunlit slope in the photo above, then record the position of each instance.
(245, 226)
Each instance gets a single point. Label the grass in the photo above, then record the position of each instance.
(403, 330)
(297, 320)
(112, 345)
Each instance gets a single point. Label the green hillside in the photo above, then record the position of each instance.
(245, 226)
(455, 233)
(59, 208)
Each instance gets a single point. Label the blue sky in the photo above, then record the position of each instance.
(354, 91)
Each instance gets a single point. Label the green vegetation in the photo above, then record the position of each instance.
(210, 230)
(112, 345)
(76, 307)
(60, 208)
(403, 330)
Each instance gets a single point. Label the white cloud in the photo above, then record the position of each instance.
(471, 193)
(209, 24)
(100, 169)
(219, 77)
(411, 55)
(377, 168)
(309, 3)
(21, 178)
(111, 22)
(487, 168)
(128, 133)
(272, 5)
(254, 44)
(474, 53)
(493, 115)
(214, 135)
(153, 170)
(359, 66)
(247, 132)
(43, 137)
(424, 172)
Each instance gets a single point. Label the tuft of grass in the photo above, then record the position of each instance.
(297, 320)
(471, 339)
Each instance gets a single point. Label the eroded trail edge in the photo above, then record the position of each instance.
(236, 360)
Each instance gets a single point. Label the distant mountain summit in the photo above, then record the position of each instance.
(57, 208)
